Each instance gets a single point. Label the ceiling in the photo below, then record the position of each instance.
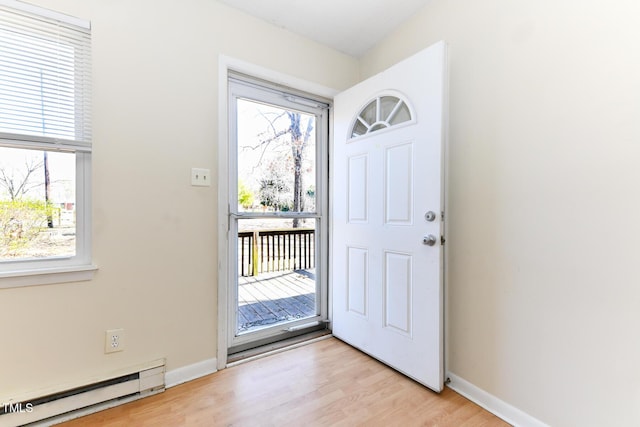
(350, 26)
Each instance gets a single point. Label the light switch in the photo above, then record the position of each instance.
(200, 177)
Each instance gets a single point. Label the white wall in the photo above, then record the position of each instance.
(154, 237)
(544, 231)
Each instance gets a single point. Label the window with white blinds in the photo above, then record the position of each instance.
(45, 146)
(45, 77)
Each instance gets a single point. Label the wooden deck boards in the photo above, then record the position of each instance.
(275, 297)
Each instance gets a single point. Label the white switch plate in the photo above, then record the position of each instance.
(200, 177)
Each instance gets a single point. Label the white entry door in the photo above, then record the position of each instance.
(387, 254)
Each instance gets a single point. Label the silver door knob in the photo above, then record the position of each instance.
(429, 240)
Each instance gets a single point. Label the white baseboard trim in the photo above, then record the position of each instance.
(491, 403)
(190, 372)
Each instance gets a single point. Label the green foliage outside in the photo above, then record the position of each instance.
(245, 196)
(21, 221)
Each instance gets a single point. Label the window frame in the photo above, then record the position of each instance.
(79, 267)
(376, 99)
(254, 89)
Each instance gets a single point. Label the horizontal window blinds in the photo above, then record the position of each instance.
(45, 79)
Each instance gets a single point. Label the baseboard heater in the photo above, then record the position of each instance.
(75, 402)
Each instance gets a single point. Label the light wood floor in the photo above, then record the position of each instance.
(327, 383)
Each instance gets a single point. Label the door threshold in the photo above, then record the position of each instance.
(277, 347)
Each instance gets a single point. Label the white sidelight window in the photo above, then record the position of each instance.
(45, 146)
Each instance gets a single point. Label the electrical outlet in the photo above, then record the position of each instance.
(114, 340)
(200, 177)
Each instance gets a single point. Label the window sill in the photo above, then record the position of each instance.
(47, 276)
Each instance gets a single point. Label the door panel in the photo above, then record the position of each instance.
(398, 187)
(387, 174)
(357, 189)
(277, 214)
(398, 287)
(357, 281)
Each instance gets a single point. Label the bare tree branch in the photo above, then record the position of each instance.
(264, 144)
(292, 136)
(17, 187)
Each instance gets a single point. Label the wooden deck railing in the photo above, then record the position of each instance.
(275, 250)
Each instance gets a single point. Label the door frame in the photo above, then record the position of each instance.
(225, 65)
(248, 88)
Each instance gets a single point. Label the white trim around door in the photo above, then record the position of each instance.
(227, 64)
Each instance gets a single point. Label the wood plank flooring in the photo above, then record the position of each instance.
(275, 297)
(327, 383)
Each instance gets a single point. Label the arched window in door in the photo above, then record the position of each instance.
(382, 112)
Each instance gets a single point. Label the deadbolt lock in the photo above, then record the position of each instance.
(430, 216)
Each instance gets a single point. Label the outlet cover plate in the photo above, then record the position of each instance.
(114, 340)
